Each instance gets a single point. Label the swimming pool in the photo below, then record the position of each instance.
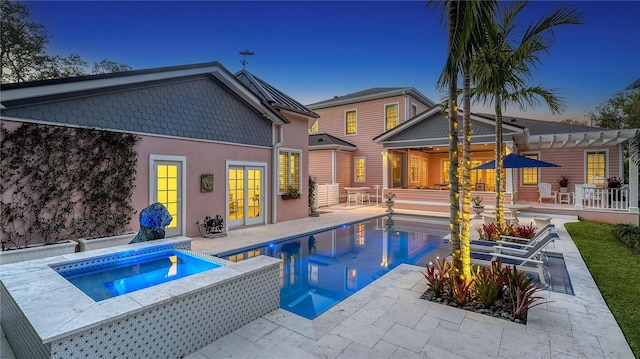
(321, 269)
(107, 278)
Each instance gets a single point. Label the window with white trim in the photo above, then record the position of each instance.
(414, 168)
(289, 170)
(360, 169)
(414, 110)
(530, 175)
(314, 127)
(596, 167)
(390, 116)
(350, 122)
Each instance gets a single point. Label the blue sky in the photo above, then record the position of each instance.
(315, 50)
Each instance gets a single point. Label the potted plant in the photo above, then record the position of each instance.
(212, 227)
(614, 182)
(477, 206)
(389, 196)
(563, 181)
(292, 193)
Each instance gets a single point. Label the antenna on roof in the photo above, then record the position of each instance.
(244, 59)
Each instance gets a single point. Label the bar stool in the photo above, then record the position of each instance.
(352, 197)
(365, 197)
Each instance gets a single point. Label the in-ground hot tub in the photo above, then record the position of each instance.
(125, 272)
(46, 316)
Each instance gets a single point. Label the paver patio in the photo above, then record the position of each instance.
(387, 319)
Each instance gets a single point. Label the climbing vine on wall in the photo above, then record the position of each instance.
(61, 183)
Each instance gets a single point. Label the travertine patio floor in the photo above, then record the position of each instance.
(387, 319)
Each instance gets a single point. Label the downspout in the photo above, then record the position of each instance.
(406, 105)
(274, 174)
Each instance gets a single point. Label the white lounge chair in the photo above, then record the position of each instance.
(527, 259)
(545, 192)
(510, 241)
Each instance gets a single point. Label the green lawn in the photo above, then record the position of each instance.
(616, 272)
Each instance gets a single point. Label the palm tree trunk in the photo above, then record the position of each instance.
(454, 192)
(465, 224)
(499, 163)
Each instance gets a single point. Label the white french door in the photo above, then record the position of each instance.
(246, 195)
(167, 188)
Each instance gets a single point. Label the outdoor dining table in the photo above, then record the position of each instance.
(357, 192)
(514, 208)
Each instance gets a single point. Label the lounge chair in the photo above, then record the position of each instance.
(526, 259)
(480, 245)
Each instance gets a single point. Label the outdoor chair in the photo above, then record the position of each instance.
(545, 192)
(528, 259)
(592, 196)
(481, 245)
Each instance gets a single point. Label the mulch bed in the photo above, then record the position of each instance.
(500, 309)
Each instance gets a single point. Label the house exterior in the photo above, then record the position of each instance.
(197, 123)
(417, 167)
(340, 141)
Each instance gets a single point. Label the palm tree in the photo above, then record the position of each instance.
(502, 67)
(464, 28)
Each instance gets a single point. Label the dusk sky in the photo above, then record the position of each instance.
(315, 50)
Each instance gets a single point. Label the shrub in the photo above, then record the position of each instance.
(489, 232)
(437, 275)
(629, 235)
(521, 292)
(460, 289)
(489, 282)
(527, 231)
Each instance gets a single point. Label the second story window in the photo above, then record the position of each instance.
(390, 116)
(350, 122)
(314, 127)
(414, 110)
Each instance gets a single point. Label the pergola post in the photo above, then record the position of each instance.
(633, 187)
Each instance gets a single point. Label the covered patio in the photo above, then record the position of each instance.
(416, 165)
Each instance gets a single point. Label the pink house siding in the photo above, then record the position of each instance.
(370, 123)
(201, 157)
(573, 165)
(320, 166)
(344, 170)
(294, 140)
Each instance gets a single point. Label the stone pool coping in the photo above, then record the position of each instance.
(55, 308)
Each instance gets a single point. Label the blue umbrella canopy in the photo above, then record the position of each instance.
(513, 160)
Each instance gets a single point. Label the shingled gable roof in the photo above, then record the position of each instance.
(33, 92)
(272, 95)
(323, 141)
(371, 94)
(431, 125)
(196, 102)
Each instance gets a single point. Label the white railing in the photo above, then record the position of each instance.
(327, 194)
(602, 198)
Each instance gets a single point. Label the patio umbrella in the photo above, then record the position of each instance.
(513, 160)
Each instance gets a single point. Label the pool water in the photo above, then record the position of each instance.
(321, 269)
(108, 279)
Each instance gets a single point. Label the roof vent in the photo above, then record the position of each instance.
(335, 97)
(320, 140)
(513, 120)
